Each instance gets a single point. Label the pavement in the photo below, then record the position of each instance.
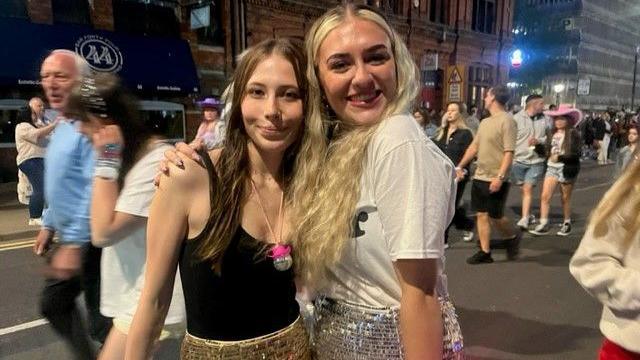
(526, 309)
(14, 216)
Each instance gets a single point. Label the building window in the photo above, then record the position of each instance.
(71, 11)
(437, 11)
(214, 33)
(148, 18)
(14, 9)
(484, 16)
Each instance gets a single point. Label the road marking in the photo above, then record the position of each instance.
(16, 245)
(25, 326)
(594, 186)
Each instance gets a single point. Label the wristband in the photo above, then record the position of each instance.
(108, 162)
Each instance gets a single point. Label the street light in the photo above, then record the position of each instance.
(558, 88)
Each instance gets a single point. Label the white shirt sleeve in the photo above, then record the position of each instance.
(414, 192)
(137, 193)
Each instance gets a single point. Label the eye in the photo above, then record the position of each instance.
(255, 92)
(292, 94)
(378, 58)
(338, 65)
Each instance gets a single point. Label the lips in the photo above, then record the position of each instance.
(365, 100)
(271, 132)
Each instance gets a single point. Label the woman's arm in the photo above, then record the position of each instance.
(598, 265)
(420, 314)
(108, 226)
(166, 230)
(33, 134)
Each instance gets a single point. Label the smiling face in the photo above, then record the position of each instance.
(59, 75)
(357, 71)
(272, 106)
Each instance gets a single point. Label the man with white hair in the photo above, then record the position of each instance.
(75, 264)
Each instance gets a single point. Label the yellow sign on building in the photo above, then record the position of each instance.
(455, 83)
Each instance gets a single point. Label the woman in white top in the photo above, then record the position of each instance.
(373, 208)
(607, 265)
(127, 156)
(31, 144)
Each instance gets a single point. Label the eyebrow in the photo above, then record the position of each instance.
(371, 49)
(288, 86)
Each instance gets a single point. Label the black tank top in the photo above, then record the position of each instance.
(247, 299)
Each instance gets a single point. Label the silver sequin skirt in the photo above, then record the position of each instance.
(345, 331)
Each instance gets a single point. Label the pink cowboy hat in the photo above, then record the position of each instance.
(210, 103)
(572, 114)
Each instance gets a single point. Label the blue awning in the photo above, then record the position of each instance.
(147, 64)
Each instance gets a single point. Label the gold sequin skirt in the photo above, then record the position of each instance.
(345, 331)
(290, 343)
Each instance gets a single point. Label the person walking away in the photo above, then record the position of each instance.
(31, 137)
(563, 165)
(454, 139)
(528, 161)
(75, 264)
(607, 265)
(493, 145)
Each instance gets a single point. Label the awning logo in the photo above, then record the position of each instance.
(101, 54)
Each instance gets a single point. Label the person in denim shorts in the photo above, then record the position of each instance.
(563, 165)
(528, 165)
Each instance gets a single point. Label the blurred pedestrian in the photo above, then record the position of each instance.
(128, 153)
(75, 263)
(494, 145)
(528, 163)
(563, 148)
(212, 128)
(31, 143)
(602, 127)
(473, 121)
(628, 152)
(607, 265)
(453, 139)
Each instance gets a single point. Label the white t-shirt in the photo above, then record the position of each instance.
(406, 202)
(556, 149)
(123, 264)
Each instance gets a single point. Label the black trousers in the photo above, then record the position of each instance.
(460, 219)
(58, 306)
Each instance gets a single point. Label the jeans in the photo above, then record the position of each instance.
(460, 219)
(34, 169)
(58, 305)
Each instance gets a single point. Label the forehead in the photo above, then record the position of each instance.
(274, 69)
(59, 63)
(353, 35)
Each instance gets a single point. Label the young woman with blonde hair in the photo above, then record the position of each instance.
(607, 265)
(453, 138)
(226, 224)
(372, 209)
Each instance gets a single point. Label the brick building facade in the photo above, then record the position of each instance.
(461, 46)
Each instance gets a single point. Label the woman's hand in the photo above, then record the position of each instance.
(171, 156)
(110, 134)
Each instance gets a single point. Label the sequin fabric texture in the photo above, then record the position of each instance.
(291, 343)
(345, 331)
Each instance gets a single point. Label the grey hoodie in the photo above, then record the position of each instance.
(528, 128)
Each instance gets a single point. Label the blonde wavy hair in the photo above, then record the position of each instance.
(460, 121)
(624, 192)
(327, 188)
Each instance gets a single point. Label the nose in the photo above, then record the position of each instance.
(272, 108)
(362, 77)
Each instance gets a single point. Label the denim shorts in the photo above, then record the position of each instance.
(558, 173)
(524, 173)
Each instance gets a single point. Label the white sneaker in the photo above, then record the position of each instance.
(523, 223)
(467, 236)
(35, 222)
(446, 246)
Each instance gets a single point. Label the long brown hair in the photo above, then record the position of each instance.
(228, 193)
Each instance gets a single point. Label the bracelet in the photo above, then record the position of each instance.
(108, 162)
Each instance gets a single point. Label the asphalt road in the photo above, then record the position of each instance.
(526, 309)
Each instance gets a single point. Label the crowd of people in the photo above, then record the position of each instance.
(284, 231)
